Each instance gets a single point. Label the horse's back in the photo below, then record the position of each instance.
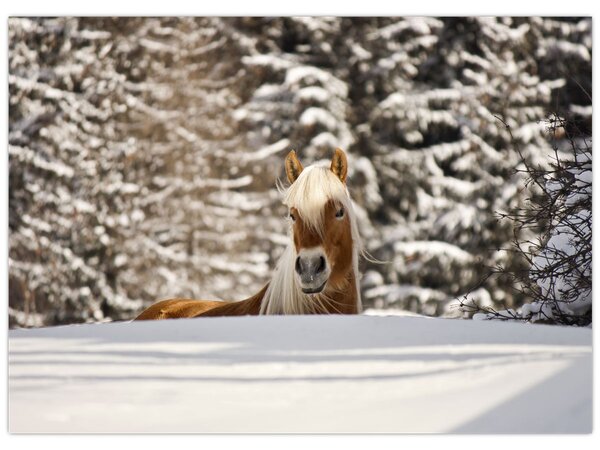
(177, 309)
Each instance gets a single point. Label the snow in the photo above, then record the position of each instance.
(585, 111)
(324, 139)
(395, 293)
(313, 115)
(314, 93)
(56, 167)
(267, 151)
(307, 74)
(302, 374)
(553, 45)
(420, 25)
(267, 60)
(479, 298)
(433, 248)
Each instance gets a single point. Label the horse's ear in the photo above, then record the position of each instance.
(339, 165)
(293, 167)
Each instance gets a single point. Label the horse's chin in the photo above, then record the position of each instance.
(312, 290)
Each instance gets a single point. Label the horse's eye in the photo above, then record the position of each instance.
(340, 213)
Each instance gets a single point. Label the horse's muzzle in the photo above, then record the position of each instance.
(312, 270)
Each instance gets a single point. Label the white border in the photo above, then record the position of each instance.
(257, 8)
(305, 7)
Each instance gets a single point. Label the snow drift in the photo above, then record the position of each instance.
(302, 374)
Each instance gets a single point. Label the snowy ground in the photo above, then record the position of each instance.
(301, 374)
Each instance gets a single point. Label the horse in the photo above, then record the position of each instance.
(318, 271)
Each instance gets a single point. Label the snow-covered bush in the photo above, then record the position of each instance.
(559, 280)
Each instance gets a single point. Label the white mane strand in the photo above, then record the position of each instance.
(314, 187)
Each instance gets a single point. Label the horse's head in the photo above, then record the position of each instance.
(321, 214)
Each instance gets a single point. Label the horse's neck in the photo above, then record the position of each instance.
(342, 301)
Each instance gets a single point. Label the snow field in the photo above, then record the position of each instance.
(357, 374)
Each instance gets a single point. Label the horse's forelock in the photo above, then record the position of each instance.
(313, 189)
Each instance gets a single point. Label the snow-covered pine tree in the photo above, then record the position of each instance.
(126, 167)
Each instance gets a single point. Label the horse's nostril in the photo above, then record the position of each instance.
(321, 266)
(311, 266)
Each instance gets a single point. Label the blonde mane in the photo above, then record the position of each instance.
(315, 186)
